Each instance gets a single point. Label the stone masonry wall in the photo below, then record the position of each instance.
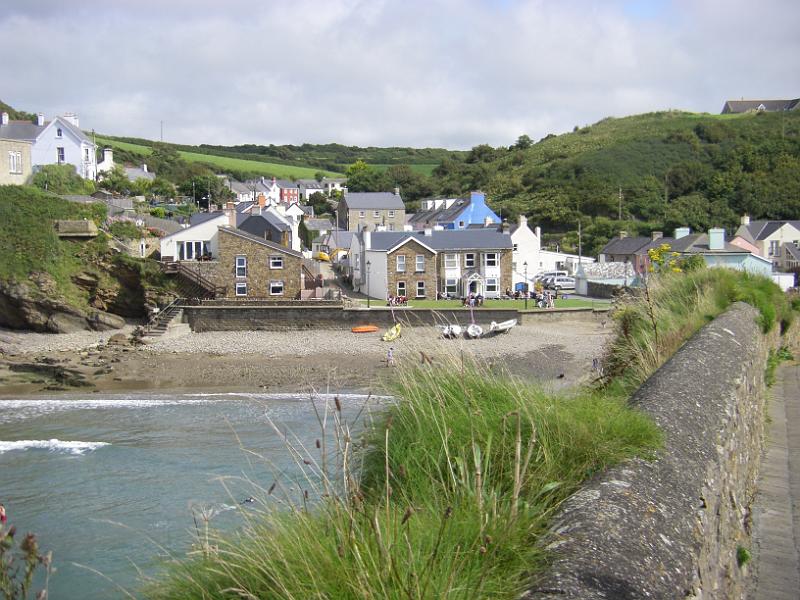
(410, 276)
(670, 528)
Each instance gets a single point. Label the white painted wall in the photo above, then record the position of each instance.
(207, 231)
(80, 154)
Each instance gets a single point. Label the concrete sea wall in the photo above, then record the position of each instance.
(242, 317)
(670, 527)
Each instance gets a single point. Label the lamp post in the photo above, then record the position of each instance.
(368, 264)
(525, 264)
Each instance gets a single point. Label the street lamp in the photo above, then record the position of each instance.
(368, 264)
(525, 264)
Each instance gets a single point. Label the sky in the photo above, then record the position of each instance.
(422, 73)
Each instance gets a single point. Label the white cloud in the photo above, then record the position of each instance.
(440, 73)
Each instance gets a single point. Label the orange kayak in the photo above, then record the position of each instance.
(364, 329)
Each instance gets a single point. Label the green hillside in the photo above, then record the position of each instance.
(227, 163)
(672, 169)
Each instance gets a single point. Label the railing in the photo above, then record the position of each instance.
(157, 318)
(195, 276)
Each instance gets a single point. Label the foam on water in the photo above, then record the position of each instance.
(54, 445)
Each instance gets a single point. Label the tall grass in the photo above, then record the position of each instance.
(446, 501)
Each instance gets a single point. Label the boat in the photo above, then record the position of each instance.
(502, 327)
(474, 331)
(392, 334)
(364, 329)
(450, 331)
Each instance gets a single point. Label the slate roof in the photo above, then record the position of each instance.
(134, 173)
(285, 183)
(697, 243)
(340, 238)
(272, 219)
(626, 245)
(761, 230)
(373, 200)
(258, 240)
(239, 187)
(792, 251)
(202, 217)
(448, 239)
(317, 224)
(740, 106)
(442, 215)
(27, 130)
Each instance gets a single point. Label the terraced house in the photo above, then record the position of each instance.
(358, 210)
(424, 264)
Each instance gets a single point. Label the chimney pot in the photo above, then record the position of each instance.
(428, 232)
(504, 227)
(40, 119)
(745, 219)
(716, 238)
(656, 235)
(487, 221)
(397, 191)
(623, 235)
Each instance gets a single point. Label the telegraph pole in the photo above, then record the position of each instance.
(619, 214)
(580, 243)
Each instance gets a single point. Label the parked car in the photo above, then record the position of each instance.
(550, 275)
(561, 283)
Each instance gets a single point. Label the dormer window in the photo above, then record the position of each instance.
(59, 132)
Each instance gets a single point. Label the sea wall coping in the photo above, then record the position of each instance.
(670, 527)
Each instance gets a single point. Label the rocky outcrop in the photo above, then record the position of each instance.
(36, 306)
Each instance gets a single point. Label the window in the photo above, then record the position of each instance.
(86, 154)
(241, 289)
(60, 155)
(461, 224)
(276, 288)
(420, 263)
(15, 162)
(516, 247)
(59, 133)
(241, 266)
(774, 246)
(451, 286)
(401, 288)
(490, 259)
(491, 285)
(401, 263)
(469, 260)
(192, 250)
(450, 261)
(362, 214)
(275, 262)
(391, 214)
(420, 289)
(376, 214)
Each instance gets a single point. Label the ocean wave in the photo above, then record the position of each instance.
(54, 445)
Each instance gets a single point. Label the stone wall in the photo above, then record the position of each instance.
(670, 528)
(410, 250)
(242, 317)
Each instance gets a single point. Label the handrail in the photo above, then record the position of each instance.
(157, 318)
(197, 278)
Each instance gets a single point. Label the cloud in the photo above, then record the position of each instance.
(365, 72)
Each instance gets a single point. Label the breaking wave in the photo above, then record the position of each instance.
(54, 445)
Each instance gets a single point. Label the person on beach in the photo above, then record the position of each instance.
(3, 517)
(390, 358)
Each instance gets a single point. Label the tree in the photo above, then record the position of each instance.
(305, 234)
(62, 179)
(523, 143)
(161, 188)
(319, 202)
(363, 178)
(116, 181)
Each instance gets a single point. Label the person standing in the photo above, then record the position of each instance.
(390, 358)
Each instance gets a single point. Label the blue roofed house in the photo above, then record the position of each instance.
(454, 213)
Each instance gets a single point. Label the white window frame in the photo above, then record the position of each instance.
(420, 286)
(419, 263)
(15, 162)
(451, 261)
(774, 247)
(401, 288)
(61, 155)
(196, 247)
(469, 260)
(240, 266)
(390, 214)
(491, 285)
(241, 288)
(362, 214)
(273, 285)
(451, 286)
(275, 262)
(400, 263)
(376, 214)
(494, 261)
(59, 133)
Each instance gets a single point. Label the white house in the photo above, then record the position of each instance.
(56, 142)
(529, 257)
(199, 240)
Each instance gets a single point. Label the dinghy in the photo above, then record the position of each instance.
(392, 334)
(474, 331)
(502, 327)
(450, 331)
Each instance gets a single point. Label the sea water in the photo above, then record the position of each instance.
(115, 484)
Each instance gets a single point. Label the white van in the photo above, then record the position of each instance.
(551, 275)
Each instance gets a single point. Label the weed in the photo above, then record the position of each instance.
(742, 556)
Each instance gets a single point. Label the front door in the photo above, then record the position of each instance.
(475, 287)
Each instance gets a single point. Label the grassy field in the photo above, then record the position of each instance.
(423, 169)
(224, 162)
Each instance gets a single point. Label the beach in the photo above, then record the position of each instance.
(290, 361)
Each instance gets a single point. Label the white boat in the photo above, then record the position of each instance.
(502, 327)
(450, 331)
(474, 331)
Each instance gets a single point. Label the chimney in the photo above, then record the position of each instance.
(407, 227)
(230, 213)
(273, 181)
(504, 227)
(682, 232)
(523, 221)
(716, 238)
(538, 232)
(623, 235)
(438, 227)
(656, 235)
(262, 201)
(108, 155)
(428, 232)
(745, 219)
(4, 120)
(487, 221)
(40, 119)
(397, 191)
(367, 235)
(71, 118)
